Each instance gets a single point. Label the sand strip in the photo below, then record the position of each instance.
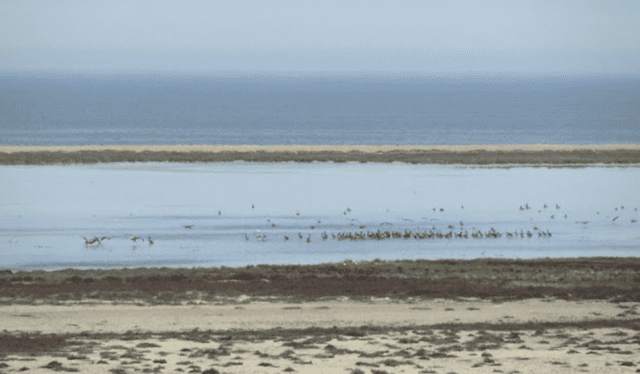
(325, 148)
(321, 314)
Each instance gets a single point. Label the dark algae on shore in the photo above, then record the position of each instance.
(615, 279)
(469, 157)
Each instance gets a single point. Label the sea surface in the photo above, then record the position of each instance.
(84, 109)
(238, 213)
(235, 214)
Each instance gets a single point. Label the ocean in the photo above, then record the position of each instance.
(77, 109)
(238, 213)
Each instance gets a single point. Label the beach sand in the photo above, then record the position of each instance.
(335, 335)
(535, 154)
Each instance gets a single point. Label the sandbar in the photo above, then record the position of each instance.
(487, 154)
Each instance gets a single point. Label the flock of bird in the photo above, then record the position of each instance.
(407, 234)
(382, 235)
(553, 216)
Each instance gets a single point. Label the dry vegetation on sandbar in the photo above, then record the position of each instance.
(483, 156)
(588, 278)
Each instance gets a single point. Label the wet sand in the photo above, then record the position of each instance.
(535, 154)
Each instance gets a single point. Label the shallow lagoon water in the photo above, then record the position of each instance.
(46, 210)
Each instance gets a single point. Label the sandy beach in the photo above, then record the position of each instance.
(271, 319)
(539, 154)
(335, 335)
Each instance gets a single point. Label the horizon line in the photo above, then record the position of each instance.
(257, 73)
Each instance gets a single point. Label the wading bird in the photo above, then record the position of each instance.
(91, 241)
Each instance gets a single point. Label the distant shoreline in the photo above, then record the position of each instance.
(522, 154)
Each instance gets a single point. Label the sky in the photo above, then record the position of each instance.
(326, 35)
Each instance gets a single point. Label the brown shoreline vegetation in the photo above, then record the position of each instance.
(378, 317)
(493, 279)
(552, 155)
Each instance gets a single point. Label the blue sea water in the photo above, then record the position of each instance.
(39, 109)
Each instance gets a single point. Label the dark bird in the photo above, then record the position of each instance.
(557, 206)
(545, 206)
(286, 237)
(188, 226)
(91, 241)
(252, 206)
(150, 241)
(616, 217)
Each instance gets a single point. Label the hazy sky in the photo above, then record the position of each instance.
(601, 36)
